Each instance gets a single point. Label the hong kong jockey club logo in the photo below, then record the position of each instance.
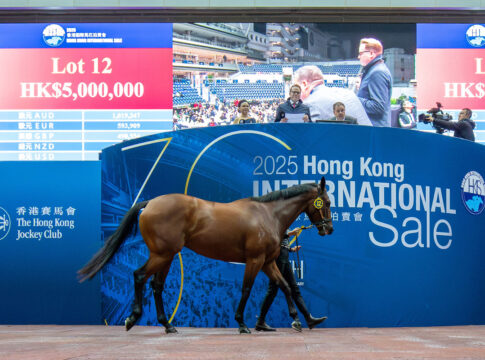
(473, 192)
(54, 35)
(4, 223)
(475, 35)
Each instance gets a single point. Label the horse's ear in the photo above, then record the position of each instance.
(322, 183)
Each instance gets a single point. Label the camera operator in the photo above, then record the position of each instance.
(463, 128)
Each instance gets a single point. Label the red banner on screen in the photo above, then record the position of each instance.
(454, 77)
(86, 79)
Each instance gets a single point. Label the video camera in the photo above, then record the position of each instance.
(433, 114)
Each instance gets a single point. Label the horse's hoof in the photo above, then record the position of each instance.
(296, 325)
(244, 330)
(129, 324)
(171, 330)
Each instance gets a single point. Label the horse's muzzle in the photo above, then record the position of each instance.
(325, 230)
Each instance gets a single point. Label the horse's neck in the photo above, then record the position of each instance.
(286, 211)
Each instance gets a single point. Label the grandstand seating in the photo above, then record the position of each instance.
(248, 91)
(337, 69)
(260, 68)
(352, 70)
(184, 94)
(336, 83)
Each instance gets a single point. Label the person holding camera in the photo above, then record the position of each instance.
(463, 128)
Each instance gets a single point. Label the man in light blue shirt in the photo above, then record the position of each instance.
(320, 98)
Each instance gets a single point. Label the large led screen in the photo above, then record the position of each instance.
(70, 90)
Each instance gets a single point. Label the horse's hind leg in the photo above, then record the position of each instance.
(252, 268)
(136, 311)
(274, 274)
(157, 284)
(141, 276)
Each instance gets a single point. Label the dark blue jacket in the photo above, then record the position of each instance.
(375, 92)
(287, 108)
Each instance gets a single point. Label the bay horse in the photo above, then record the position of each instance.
(246, 231)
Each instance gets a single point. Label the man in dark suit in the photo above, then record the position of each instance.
(376, 83)
(339, 112)
(293, 110)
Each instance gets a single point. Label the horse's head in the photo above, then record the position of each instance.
(318, 210)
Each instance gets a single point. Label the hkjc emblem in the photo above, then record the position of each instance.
(4, 223)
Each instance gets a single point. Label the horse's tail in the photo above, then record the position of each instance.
(112, 244)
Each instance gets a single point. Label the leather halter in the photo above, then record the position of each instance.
(318, 204)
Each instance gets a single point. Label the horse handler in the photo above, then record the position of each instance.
(283, 262)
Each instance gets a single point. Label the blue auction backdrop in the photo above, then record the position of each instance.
(49, 227)
(407, 211)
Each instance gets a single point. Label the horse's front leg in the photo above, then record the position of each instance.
(274, 274)
(252, 268)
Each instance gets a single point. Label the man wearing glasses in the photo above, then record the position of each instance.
(293, 110)
(376, 83)
(320, 98)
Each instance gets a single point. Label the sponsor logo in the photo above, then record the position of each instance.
(54, 35)
(473, 192)
(475, 35)
(4, 223)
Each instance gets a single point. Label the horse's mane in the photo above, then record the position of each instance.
(290, 192)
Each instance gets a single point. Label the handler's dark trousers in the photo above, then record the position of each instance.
(284, 265)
